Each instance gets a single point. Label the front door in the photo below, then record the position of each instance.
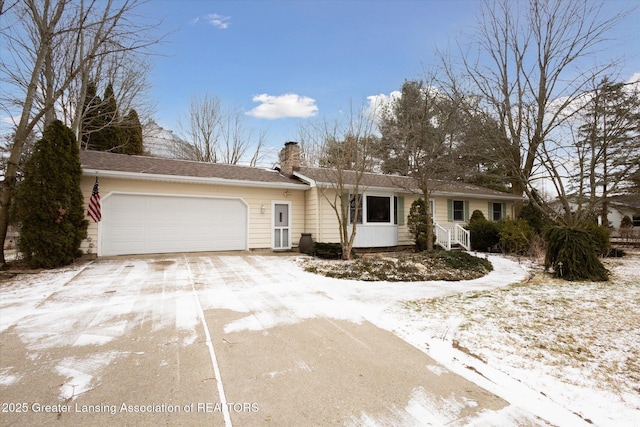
(281, 226)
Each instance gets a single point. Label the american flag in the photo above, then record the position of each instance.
(95, 210)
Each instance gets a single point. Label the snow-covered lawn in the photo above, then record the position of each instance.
(551, 348)
(576, 343)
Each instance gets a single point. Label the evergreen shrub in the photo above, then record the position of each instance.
(417, 223)
(572, 253)
(601, 237)
(48, 203)
(462, 260)
(515, 236)
(327, 250)
(483, 233)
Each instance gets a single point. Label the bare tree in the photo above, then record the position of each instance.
(346, 146)
(258, 152)
(49, 44)
(527, 73)
(202, 127)
(237, 139)
(217, 135)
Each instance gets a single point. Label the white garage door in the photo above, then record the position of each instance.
(146, 224)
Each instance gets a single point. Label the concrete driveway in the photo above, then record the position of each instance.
(223, 339)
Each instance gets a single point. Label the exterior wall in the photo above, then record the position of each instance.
(260, 224)
(329, 227)
(616, 213)
(324, 225)
(442, 215)
(311, 223)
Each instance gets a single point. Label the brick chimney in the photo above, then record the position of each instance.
(290, 158)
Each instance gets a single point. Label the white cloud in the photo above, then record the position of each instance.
(282, 106)
(219, 21)
(635, 78)
(378, 103)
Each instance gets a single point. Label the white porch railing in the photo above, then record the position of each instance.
(452, 234)
(443, 236)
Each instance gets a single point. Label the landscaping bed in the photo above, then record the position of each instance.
(404, 267)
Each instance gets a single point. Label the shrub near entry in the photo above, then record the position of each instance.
(484, 233)
(327, 250)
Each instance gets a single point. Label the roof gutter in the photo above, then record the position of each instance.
(448, 194)
(190, 179)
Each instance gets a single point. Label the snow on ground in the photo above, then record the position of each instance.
(550, 347)
(576, 343)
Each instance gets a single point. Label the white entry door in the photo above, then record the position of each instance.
(281, 225)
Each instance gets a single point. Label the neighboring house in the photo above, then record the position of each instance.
(619, 206)
(155, 205)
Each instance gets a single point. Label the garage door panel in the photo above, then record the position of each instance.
(139, 224)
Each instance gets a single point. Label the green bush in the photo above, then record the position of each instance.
(483, 233)
(48, 203)
(515, 236)
(462, 260)
(326, 250)
(476, 215)
(417, 223)
(533, 216)
(601, 237)
(572, 252)
(626, 222)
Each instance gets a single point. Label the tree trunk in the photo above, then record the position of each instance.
(430, 222)
(518, 189)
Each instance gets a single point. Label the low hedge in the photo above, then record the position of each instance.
(326, 250)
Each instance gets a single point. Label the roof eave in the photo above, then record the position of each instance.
(449, 194)
(311, 182)
(191, 179)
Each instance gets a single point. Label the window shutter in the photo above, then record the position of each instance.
(504, 210)
(490, 210)
(401, 210)
(466, 211)
(449, 210)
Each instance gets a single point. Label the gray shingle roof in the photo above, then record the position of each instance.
(150, 166)
(403, 183)
(145, 165)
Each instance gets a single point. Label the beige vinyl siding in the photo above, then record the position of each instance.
(260, 224)
(311, 222)
(328, 222)
(441, 215)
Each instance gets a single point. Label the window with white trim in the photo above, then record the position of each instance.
(379, 209)
(373, 209)
(497, 211)
(458, 210)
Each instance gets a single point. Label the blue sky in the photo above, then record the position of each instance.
(283, 63)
